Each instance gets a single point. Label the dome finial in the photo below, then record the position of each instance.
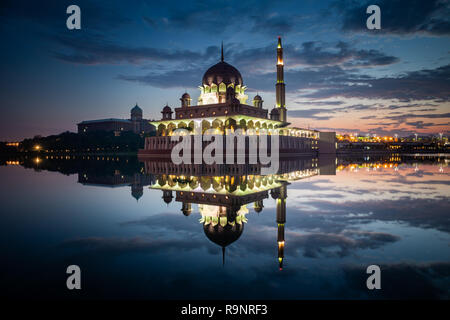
(221, 57)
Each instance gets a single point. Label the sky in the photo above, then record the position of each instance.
(339, 75)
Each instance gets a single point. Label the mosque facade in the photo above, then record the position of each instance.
(223, 107)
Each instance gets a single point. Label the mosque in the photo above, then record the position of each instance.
(222, 106)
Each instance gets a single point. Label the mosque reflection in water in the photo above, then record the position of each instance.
(224, 194)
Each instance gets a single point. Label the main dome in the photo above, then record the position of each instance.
(223, 236)
(222, 72)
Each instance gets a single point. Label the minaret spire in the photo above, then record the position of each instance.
(221, 53)
(280, 86)
(223, 256)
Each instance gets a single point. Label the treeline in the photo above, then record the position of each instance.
(69, 142)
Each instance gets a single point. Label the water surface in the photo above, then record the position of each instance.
(124, 223)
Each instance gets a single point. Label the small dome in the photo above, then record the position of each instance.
(275, 111)
(167, 199)
(222, 72)
(258, 209)
(136, 109)
(167, 109)
(275, 193)
(257, 98)
(185, 96)
(137, 194)
(167, 196)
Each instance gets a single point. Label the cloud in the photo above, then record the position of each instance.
(114, 247)
(315, 113)
(426, 84)
(403, 118)
(418, 213)
(311, 54)
(422, 125)
(51, 14)
(188, 78)
(399, 17)
(341, 244)
(90, 49)
(227, 17)
(315, 54)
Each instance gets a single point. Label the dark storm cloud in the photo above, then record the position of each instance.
(227, 16)
(99, 50)
(342, 53)
(398, 16)
(313, 54)
(425, 84)
(51, 14)
(273, 24)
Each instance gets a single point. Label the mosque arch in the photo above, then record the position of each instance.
(191, 126)
(161, 129)
(205, 125)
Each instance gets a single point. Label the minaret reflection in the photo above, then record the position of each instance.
(280, 195)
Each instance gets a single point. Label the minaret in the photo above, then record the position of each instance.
(280, 86)
(281, 220)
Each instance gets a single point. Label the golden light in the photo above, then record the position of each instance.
(37, 147)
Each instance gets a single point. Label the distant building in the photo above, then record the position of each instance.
(136, 181)
(136, 124)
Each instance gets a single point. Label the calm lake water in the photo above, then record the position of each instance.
(141, 230)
